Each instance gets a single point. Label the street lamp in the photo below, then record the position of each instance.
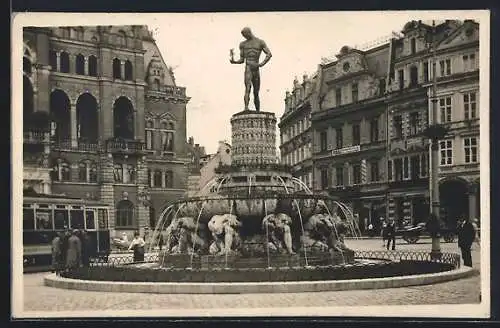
(434, 133)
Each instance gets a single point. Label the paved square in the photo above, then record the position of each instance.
(38, 297)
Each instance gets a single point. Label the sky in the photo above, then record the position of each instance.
(197, 47)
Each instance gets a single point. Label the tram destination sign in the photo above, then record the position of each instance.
(346, 150)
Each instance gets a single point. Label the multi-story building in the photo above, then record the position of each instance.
(349, 131)
(295, 129)
(210, 163)
(117, 120)
(196, 153)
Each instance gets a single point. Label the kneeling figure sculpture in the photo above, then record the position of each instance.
(323, 232)
(277, 227)
(182, 236)
(224, 229)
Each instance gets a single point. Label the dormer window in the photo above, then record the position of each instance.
(413, 46)
(346, 66)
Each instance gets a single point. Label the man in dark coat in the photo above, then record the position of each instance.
(390, 234)
(64, 247)
(74, 252)
(466, 235)
(85, 241)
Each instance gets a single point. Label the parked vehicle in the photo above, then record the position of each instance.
(411, 233)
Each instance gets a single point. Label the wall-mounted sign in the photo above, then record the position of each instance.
(346, 150)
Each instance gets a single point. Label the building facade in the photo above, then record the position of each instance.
(115, 119)
(349, 129)
(295, 129)
(209, 163)
(196, 153)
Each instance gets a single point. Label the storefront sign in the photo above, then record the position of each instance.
(346, 150)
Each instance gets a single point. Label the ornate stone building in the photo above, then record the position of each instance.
(116, 120)
(196, 153)
(209, 163)
(295, 128)
(349, 131)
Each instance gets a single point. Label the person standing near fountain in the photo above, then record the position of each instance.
(250, 51)
(137, 245)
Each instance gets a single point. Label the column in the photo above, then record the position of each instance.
(73, 130)
(86, 66)
(58, 61)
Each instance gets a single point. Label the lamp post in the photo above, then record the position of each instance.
(434, 133)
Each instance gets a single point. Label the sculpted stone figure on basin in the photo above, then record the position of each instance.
(323, 232)
(250, 51)
(277, 226)
(224, 229)
(182, 235)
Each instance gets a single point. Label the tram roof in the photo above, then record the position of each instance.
(51, 198)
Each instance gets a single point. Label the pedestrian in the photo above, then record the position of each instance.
(477, 230)
(56, 253)
(137, 245)
(84, 239)
(390, 234)
(64, 248)
(466, 234)
(74, 251)
(382, 230)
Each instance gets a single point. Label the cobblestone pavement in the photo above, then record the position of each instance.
(38, 297)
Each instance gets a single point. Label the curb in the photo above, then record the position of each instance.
(257, 287)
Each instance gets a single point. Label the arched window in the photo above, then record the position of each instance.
(26, 65)
(123, 118)
(117, 69)
(128, 71)
(87, 171)
(61, 171)
(413, 76)
(152, 217)
(149, 135)
(87, 120)
(124, 214)
(169, 177)
(64, 62)
(92, 65)
(27, 98)
(80, 64)
(82, 172)
(53, 60)
(167, 136)
(157, 179)
(60, 111)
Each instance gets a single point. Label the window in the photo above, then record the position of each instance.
(445, 109)
(426, 72)
(339, 175)
(149, 135)
(356, 137)
(128, 71)
(323, 141)
(169, 179)
(470, 150)
(389, 171)
(374, 130)
(61, 171)
(80, 64)
(413, 123)
(118, 173)
(356, 174)
(150, 176)
(413, 76)
(167, 140)
(446, 152)
(413, 46)
(381, 85)
(64, 62)
(124, 214)
(28, 219)
(354, 90)
(339, 140)
(398, 169)
(324, 178)
(398, 126)
(92, 66)
(445, 67)
(157, 179)
(117, 69)
(424, 165)
(470, 106)
(469, 62)
(131, 174)
(43, 218)
(415, 167)
(401, 75)
(121, 39)
(53, 60)
(406, 168)
(338, 96)
(82, 172)
(374, 171)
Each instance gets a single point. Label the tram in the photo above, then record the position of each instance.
(44, 216)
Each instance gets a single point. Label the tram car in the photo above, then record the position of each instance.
(44, 216)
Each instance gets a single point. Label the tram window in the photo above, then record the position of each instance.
(28, 219)
(89, 220)
(43, 219)
(61, 219)
(77, 220)
(103, 218)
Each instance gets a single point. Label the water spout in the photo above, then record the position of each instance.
(196, 234)
(303, 231)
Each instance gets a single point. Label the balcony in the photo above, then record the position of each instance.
(122, 146)
(81, 145)
(36, 137)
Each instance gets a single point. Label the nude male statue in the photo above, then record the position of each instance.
(250, 51)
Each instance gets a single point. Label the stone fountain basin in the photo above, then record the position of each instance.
(302, 206)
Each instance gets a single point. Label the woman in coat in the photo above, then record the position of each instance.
(57, 254)
(137, 245)
(74, 252)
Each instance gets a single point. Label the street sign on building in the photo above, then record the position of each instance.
(346, 150)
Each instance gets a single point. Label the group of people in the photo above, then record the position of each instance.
(70, 250)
